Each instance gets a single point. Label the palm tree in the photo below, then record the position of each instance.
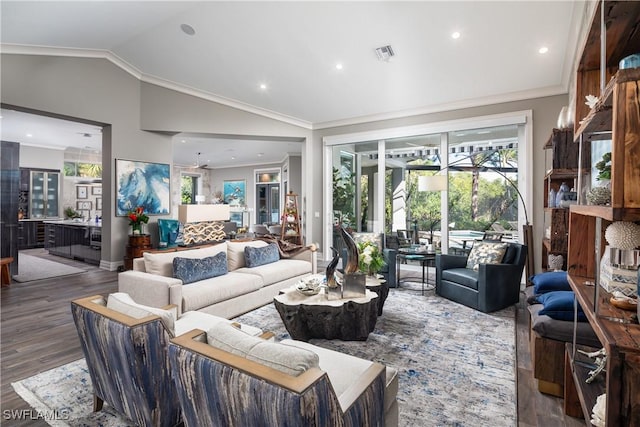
(477, 160)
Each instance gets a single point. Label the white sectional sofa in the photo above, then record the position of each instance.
(237, 291)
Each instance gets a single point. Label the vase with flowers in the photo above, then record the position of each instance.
(370, 260)
(137, 217)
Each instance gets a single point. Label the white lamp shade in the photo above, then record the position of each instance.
(199, 213)
(432, 183)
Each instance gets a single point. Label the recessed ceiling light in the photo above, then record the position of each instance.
(260, 154)
(263, 86)
(338, 66)
(29, 135)
(455, 35)
(233, 157)
(543, 50)
(187, 29)
(184, 141)
(482, 132)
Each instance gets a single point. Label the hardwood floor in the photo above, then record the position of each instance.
(38, 334)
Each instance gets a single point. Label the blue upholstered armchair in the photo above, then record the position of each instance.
(224, 380)
(128, 363)
(388, 271)
(488, 288)
(126, 348)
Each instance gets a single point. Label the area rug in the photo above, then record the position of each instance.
(32, 268)
(456, 366)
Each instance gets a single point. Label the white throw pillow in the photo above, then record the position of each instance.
(289, 360)
(235, 252)
(123, 303)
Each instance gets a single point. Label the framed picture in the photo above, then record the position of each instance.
(84, 205)
(234, 192)
(99, 203)
(96, 191)
(142, 184)
(81, 192)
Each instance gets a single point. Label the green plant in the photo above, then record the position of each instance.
(604, 167)
(71, 213)
(370, 259)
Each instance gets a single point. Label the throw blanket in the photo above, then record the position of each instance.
(286, 248)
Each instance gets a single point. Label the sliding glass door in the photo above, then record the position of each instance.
(382, 185)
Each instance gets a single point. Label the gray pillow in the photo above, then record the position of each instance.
(255, 257)
(191, 270)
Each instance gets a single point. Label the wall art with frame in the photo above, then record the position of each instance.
(234, 192)
(142, 184)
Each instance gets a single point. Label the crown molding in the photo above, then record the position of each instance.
(17, 49)
(457, 105)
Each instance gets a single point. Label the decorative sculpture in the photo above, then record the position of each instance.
(331, 268)
(333, 289)
(352, 252)
(556, 262)
(600, 363)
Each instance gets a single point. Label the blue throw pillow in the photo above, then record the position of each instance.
(254, 257)
(550, 281)
(559, 305)
(191, 270)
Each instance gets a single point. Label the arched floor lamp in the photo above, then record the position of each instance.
(439, 183)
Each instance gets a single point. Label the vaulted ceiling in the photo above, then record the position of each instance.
(314, 63)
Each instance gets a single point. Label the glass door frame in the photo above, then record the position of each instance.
(522, 118)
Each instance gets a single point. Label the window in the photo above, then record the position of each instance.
(188, 189)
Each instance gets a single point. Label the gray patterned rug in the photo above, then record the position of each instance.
(456, 365)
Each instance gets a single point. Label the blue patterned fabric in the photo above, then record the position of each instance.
(212, 393)
(129, 367)
(191, 270)
(255, 257)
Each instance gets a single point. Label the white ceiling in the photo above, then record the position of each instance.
(293, 47)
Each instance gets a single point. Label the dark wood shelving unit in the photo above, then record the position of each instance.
(614, 117)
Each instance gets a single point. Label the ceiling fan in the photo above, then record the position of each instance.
(198, 165)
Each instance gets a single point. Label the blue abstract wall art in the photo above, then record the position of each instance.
(235, 192)
(142, 184)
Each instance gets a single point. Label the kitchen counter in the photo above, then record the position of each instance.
(81, 240)
(39, 219)
(74, 223)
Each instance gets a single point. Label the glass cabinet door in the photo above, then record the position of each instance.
(51, 203)
(37, 194)
(44, 194)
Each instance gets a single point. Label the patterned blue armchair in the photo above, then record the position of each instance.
(224, 380)
(125, 345)
(128, 363)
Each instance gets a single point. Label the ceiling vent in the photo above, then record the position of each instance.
(384, 53)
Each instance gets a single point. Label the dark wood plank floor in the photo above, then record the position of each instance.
(38, 334)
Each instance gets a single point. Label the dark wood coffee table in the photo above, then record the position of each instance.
(307, 317)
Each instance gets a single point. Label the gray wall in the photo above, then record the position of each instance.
(96, 90)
